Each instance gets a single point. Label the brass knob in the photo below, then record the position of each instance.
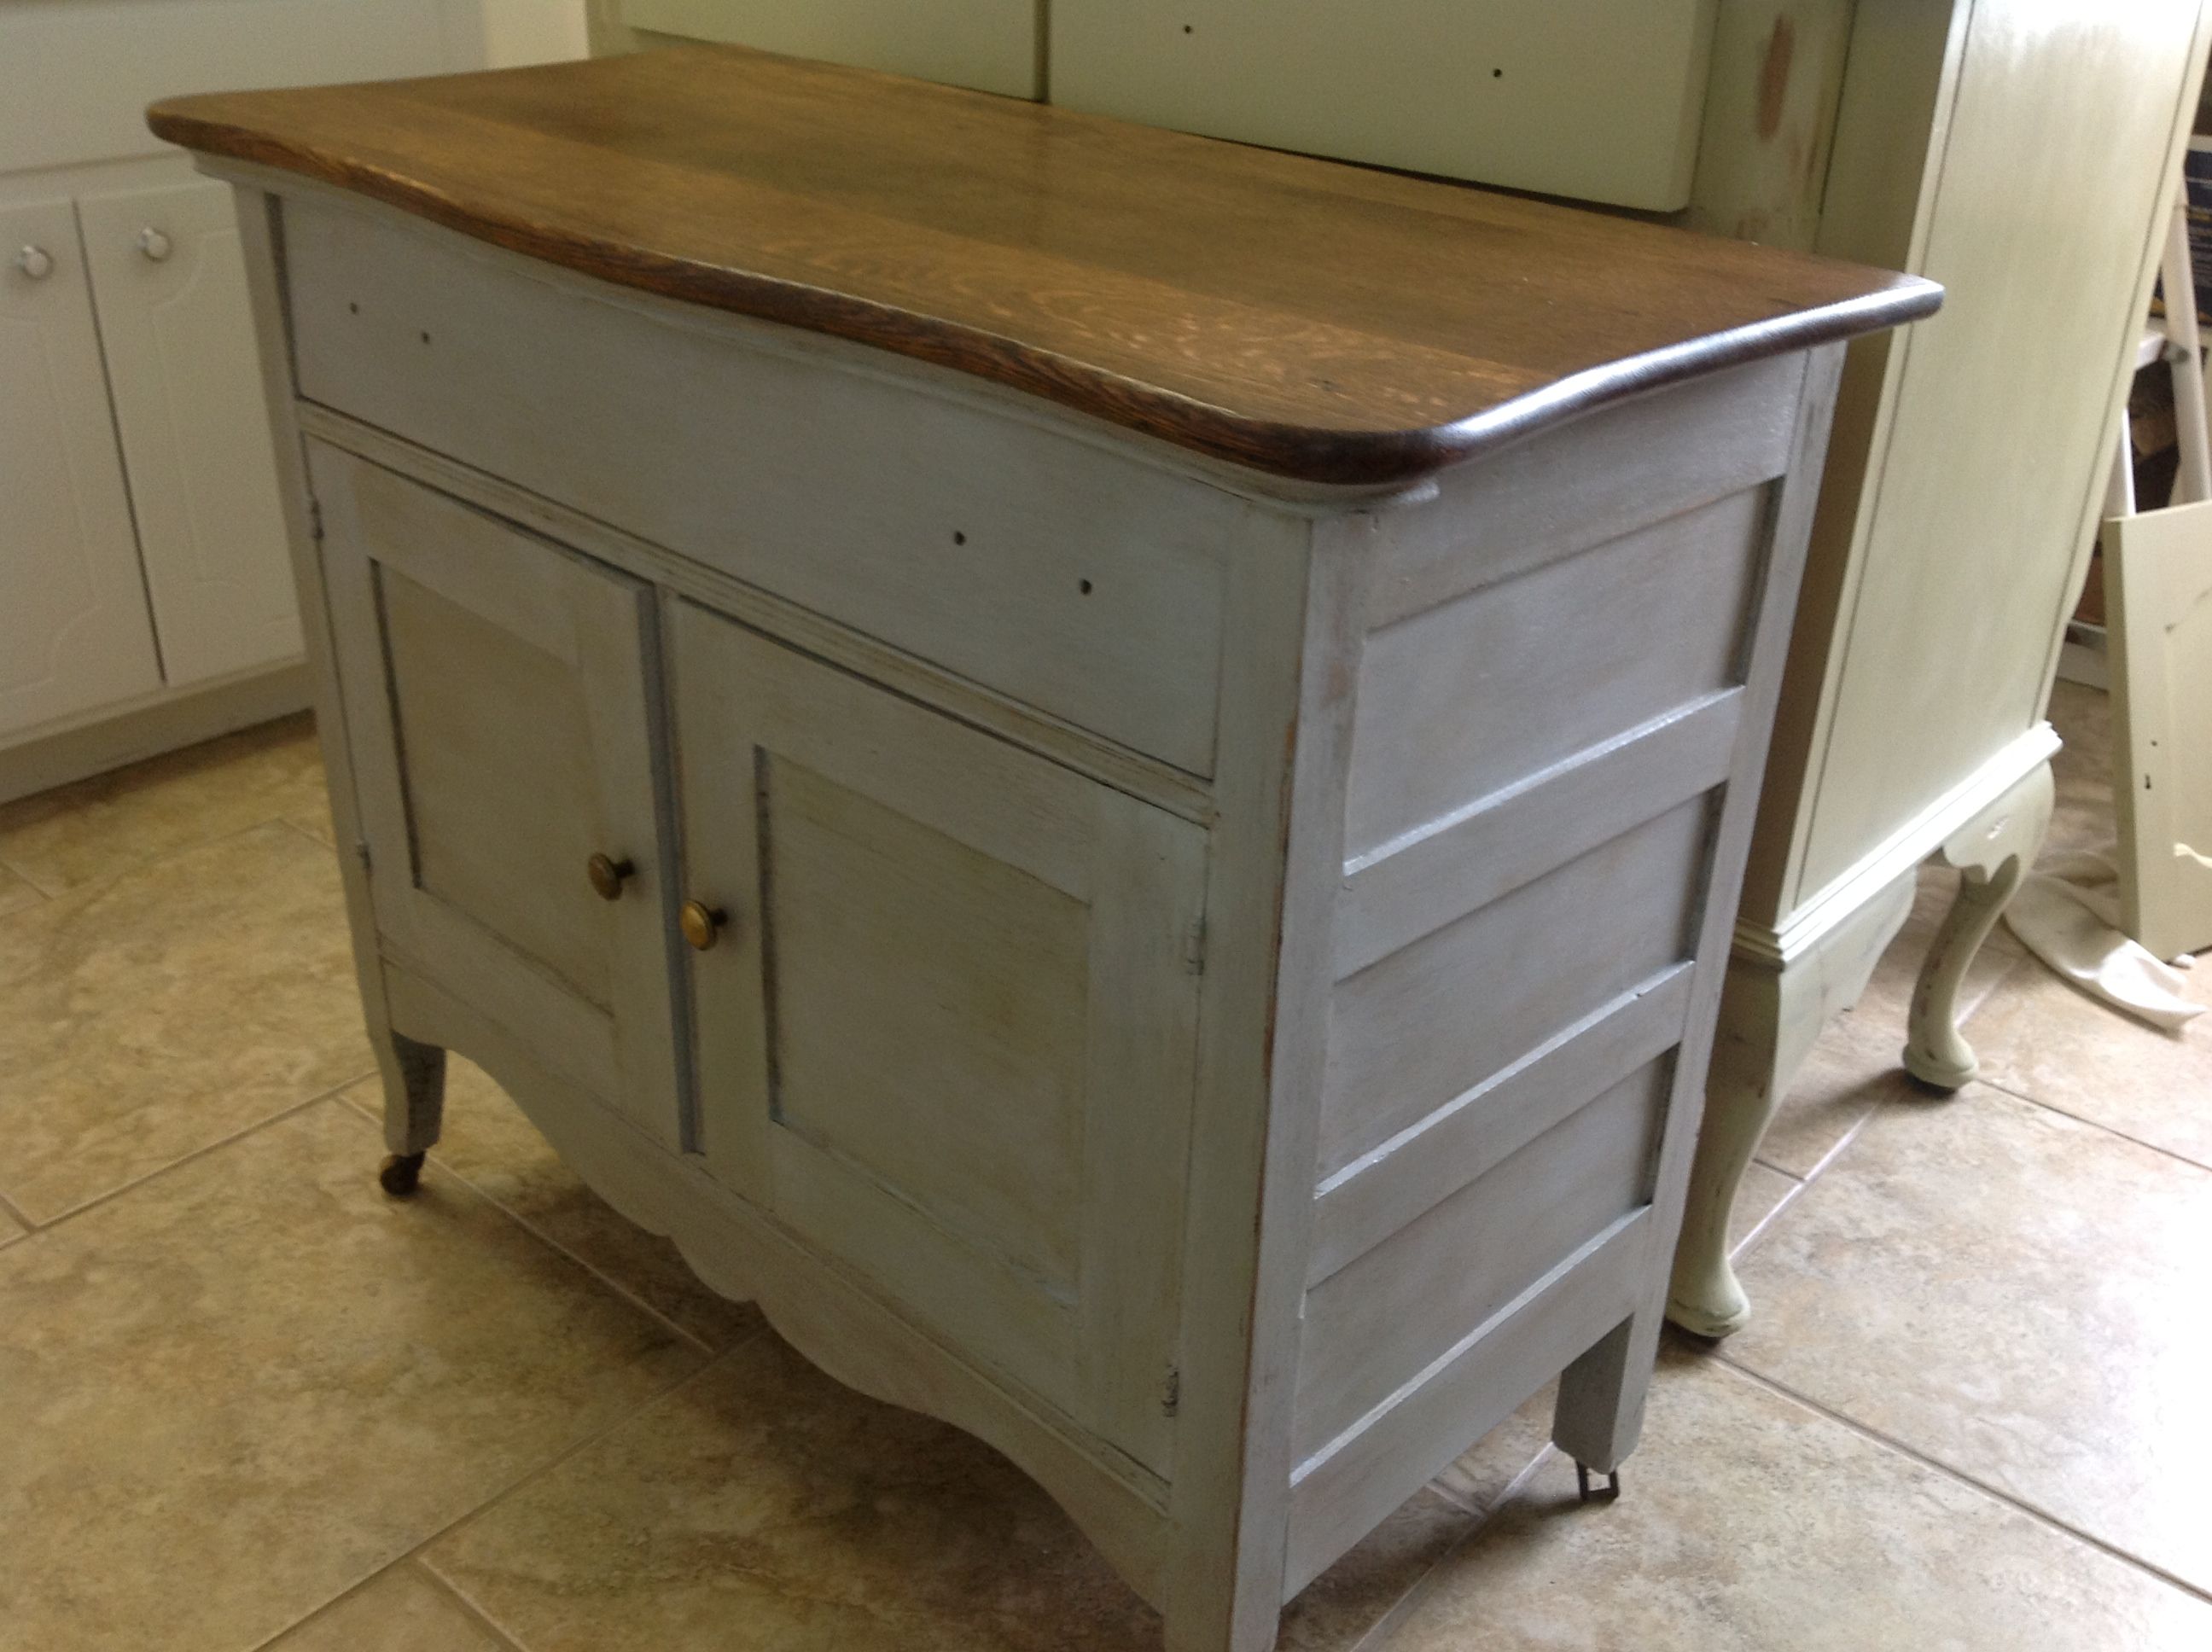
(608, 875)
(701, 923)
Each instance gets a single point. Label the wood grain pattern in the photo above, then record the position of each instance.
(1304, 318)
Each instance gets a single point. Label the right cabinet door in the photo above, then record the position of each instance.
(945, 1017)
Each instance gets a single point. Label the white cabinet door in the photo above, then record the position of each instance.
(169, 278)
(2161, 632)
(946, 1018)
(73, 629)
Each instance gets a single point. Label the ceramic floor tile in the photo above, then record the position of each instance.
(489, 1141)
(1751, 1523)
(1855, 1064)
(251, 1382)
(1345, 1602)
(401, 1610)
(2017, 1295)
(159, 1012)
(765, 1505)
(96, 828)
(2039, 1037)
(15, 894)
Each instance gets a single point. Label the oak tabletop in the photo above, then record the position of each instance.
(1303, 318)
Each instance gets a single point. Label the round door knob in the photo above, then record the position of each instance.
(35, 262)
(608, 875)
(154, 244)
(701, 923)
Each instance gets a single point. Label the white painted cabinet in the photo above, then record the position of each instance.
(74, 631)
(169, 282)
(145, 592)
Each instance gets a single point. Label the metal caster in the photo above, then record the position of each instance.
(1609, 1491)
(401, 1175)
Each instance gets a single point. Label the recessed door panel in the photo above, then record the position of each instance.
(946, 1025)
(494, 688)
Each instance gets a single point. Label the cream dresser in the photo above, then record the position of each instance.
(1108, 769)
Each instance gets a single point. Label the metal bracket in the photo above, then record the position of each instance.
(1611, 1491)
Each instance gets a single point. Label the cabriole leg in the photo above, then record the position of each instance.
(414, 1106)
(1770, 1016)
(1992, 852)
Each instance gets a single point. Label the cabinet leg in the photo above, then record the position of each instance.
(414, 1106)
(1599, 1412)
(1992, 852)
(1771, 1015)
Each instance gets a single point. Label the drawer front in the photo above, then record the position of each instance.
(1078, 583)
(947, 1029)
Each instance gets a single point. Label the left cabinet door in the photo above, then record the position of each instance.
(168, 275)
(507, 757)
(74, 634)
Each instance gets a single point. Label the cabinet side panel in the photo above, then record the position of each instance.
(1516, 1035)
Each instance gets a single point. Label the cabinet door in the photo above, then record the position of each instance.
(945, 1029)
(502, 735)
(169, 278)
(2159, 590)
(73, 629)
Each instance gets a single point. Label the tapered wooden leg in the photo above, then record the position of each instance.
(414, 1108)
(1992, 852)
(1601, 1407)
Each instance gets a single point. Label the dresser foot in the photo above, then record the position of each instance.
(414, 1097)
(1609, 1493)
(401, 1175)
(1992, 852)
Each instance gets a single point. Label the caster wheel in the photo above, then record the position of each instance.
(401, 1174)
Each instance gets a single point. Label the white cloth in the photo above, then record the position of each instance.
(2067, 912)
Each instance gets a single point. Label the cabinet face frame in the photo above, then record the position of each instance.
(1072, 973)
(392, 547)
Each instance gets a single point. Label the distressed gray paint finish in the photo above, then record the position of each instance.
(1241, 1030)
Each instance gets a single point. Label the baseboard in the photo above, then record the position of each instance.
(55, 754)
(1809, 923)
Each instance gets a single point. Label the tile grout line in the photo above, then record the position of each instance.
(2097, 1124)
(132, 868)
(320, 842)
(287, 1111)
(1379, 1634)
(11, 1208)
(553, 1244)
(475, 1613)
(416, 1555)
(420, 1552)
(2042, 1516)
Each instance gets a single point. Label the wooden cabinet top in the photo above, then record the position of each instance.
(1303, 318)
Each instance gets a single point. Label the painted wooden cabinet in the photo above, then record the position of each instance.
(74, 629)
(145, 588)
(169, 280)
(1144, 861)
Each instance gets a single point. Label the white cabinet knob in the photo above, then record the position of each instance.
(34, 262)
(154, 244)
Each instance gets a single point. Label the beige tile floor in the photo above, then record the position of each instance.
(247, 1402)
